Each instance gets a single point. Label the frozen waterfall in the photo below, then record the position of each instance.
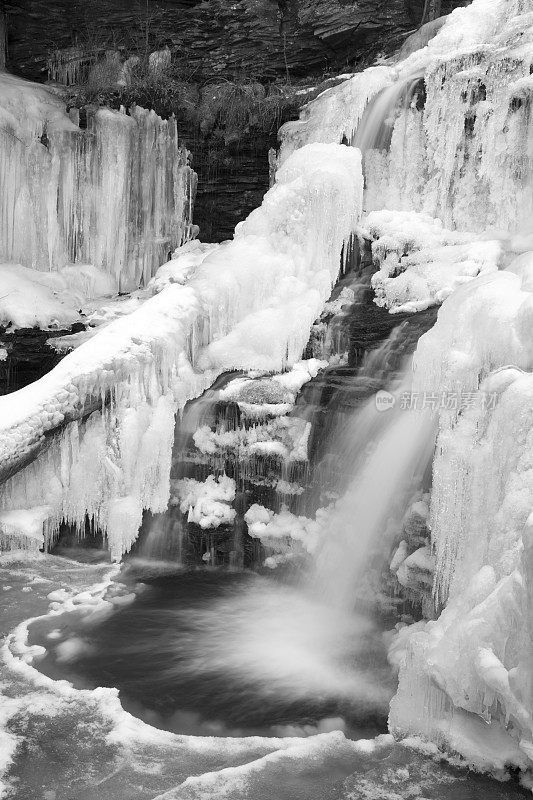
(246, 304)
(117, 193)
(444, 212)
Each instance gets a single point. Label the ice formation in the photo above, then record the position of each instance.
(74, 195)
(271, 395)
(460, 151)
(336, 113)
(284, 438)
(419, 262)
(24, 528)
(246, 303)
(208, 504)
(473, 663)
(455, 177)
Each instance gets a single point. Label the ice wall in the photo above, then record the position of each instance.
(466, 678)
(117, 194)
(247, 303)
(461, 149)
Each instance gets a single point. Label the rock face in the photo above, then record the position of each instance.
(26, 356)
(253, 38)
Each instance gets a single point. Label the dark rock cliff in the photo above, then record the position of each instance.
(262, 38)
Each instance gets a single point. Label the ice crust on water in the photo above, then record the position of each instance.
(246, 303)
(72, 195)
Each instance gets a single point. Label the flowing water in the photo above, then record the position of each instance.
(375, 130)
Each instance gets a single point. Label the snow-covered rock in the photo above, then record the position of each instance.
(207, 504)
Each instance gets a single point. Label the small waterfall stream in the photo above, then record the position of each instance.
(375, 129)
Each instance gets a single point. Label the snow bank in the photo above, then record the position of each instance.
(117, 195)
(31, 298)
(420, 263)
(248, 303)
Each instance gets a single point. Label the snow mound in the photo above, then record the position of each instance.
(284, 535)
(31, 298)
(272, 395)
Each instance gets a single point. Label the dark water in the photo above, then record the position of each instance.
(228, 654)
(223, 654)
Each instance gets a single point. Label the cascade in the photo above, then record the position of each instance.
(238, 419)
(379, 493)
(248, 303)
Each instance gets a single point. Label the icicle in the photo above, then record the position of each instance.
(118, 195)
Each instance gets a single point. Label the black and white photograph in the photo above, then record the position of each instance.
(266, 399)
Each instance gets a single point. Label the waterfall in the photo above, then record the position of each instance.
(245, 304)
(393, 468)
(448, 184)
(374, 131)
(448, 191)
